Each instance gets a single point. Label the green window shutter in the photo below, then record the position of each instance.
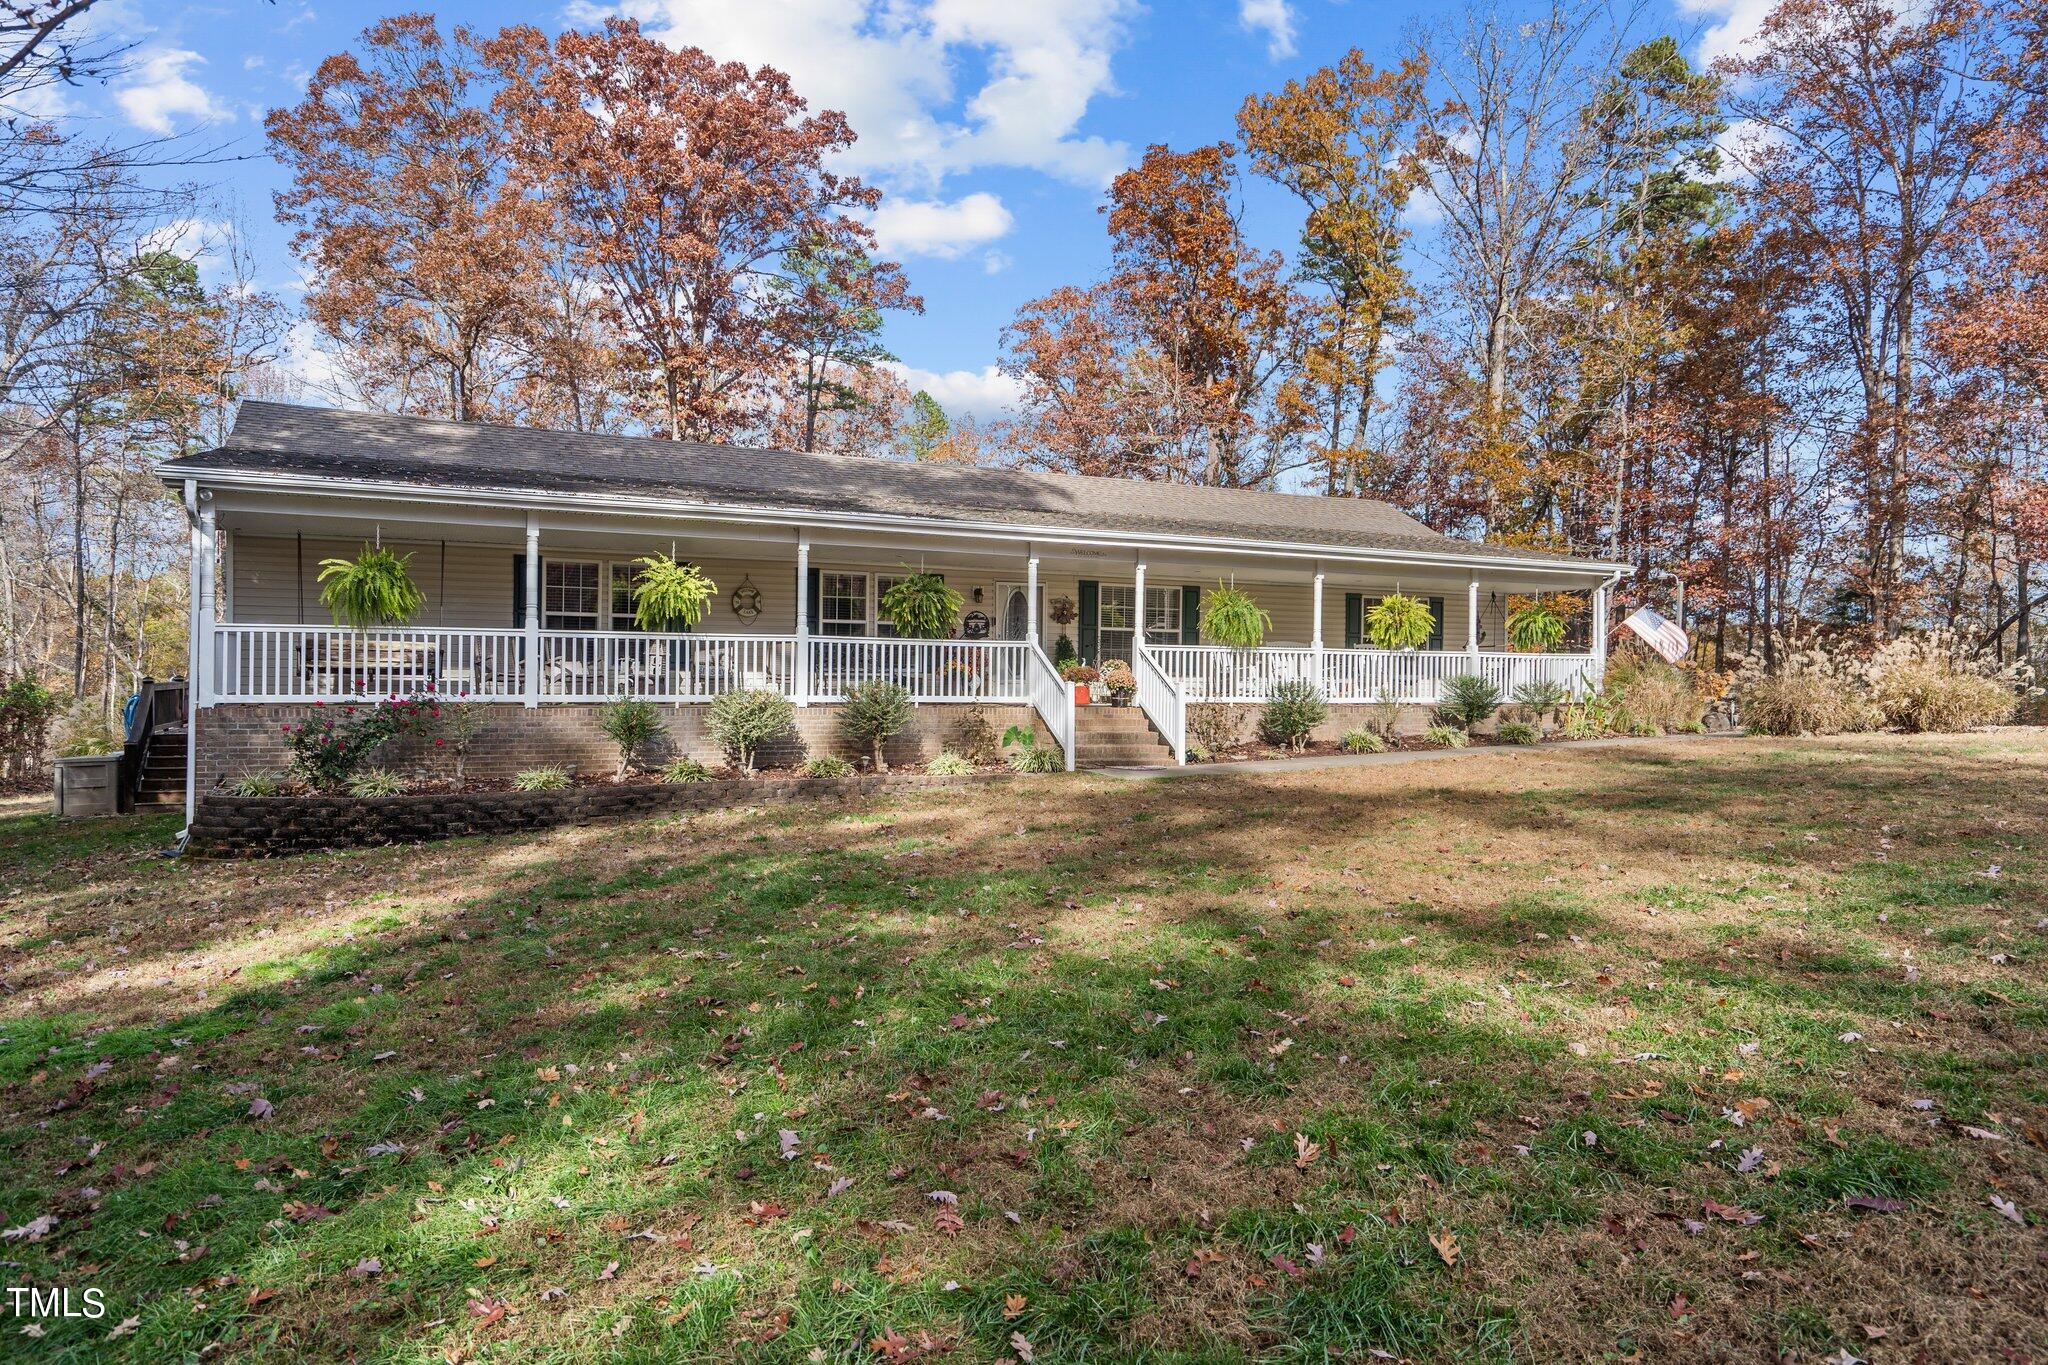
(1091, 605)
(813, 608)
(1191, 615)
(1436, 611)
(1354, 620)
(519, 591)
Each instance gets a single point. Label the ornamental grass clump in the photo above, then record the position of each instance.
(826, 765)
(630, 723)
(1446, 736)
(744, 719)
(1027, 755)
(950, 764)
(1294, 708)
(1398, 621)
(684, 770)
(547, 779)
(1231, 617)
(373, 589)
(1518, 732)
(1364, 742)
(376, 782)
(921, 606)
(667, 594)
(873, 713)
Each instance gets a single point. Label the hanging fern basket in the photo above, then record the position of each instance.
(1535, 628)
(373, 589)
(1231, 617)
(1398, 621)
(922, 607)
(667, 594)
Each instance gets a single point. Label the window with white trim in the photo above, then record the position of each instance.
(842, 604)
(1115, 628)
(623, 615)
(569, 594)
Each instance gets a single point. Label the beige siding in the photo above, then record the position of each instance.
(276, 580)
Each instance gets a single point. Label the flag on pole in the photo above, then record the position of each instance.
(1668, 638)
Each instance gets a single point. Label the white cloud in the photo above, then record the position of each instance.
(982, 394)
(196, 239)
(927, 227)
(1733, 24)
(891, 65)
(1275, 19)
(159, 94)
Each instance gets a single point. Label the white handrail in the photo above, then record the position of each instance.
(1159, 696)
(995, 671)
(1053, 698)
(258, 663)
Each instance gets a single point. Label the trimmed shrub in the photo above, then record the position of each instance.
(375, 782)
(631, 724)
(826, 765)
(1469, 698)
(744, 719)
(873, 713)
(1929, 695)
(1446, 736)
(950, 764)
(1518, 732)
(1363, 742)
(1215, 726)
(548, 779)
(1293, 710)
(685, 770)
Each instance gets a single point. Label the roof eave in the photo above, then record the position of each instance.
(655, 505)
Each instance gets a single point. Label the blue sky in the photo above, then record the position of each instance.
(991, 125)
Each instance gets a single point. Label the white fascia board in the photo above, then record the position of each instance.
(643, 506)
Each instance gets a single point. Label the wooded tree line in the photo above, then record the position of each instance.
(1773, 329)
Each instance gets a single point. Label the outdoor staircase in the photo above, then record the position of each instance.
(162, 782)
(1117, 737)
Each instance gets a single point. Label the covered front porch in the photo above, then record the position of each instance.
(536, 609)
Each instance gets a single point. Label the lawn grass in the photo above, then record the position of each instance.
(1656, 1053)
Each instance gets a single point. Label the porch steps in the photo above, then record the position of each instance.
(1117, 737)
(163, 769)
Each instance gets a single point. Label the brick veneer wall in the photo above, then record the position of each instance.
(1344, 716)
(268, 826)
(238, 738)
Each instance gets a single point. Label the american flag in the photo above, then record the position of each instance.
(1666, 637)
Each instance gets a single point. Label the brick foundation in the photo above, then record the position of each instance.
(239, 738)
(270, 826)
(1344, 716)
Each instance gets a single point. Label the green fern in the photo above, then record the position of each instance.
(667, 594)
(922, 607)
(1231, 617)
(1398, 621)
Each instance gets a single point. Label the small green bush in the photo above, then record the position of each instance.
(631, 724)
(950, 764)
(685, 770)
(826, 765)
(1541, 694)
(548, 779)
(375, 782)
(1518, 732)
(1363, 742)
(873, 713)
(1446, 736)
(1027, 755)
(257, 784)
(1469, 698)
(1294, 708)
(746, 718)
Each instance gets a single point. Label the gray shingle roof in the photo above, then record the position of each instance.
(285, 438)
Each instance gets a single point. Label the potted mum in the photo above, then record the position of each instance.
(1080, 675)
(1120, 682)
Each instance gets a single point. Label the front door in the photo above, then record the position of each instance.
(1013, 612)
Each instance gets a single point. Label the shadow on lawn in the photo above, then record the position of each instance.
(1114, 1041)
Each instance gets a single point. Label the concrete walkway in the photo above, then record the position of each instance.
(1316, 762)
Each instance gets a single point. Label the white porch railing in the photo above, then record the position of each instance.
(321, 663)
(594, 666)
(1163, 700)
(1053, 698)
(930, 670)
(1218, 673)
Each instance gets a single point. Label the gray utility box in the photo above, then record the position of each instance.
(88, 786)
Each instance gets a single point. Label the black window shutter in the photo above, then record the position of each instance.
(1191, 615)
(519, 591)
(1354, 620)
(813, 608)
(1091, 604)
(1436, 613)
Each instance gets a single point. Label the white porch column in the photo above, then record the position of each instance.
(1031, 598)
(533, 609)
(192, 655)
(1138, 624)
(1472, 617)
(1315, 612)
(1599, 634)
(802, 677)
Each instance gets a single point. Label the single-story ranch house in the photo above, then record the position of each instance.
(524, 544)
